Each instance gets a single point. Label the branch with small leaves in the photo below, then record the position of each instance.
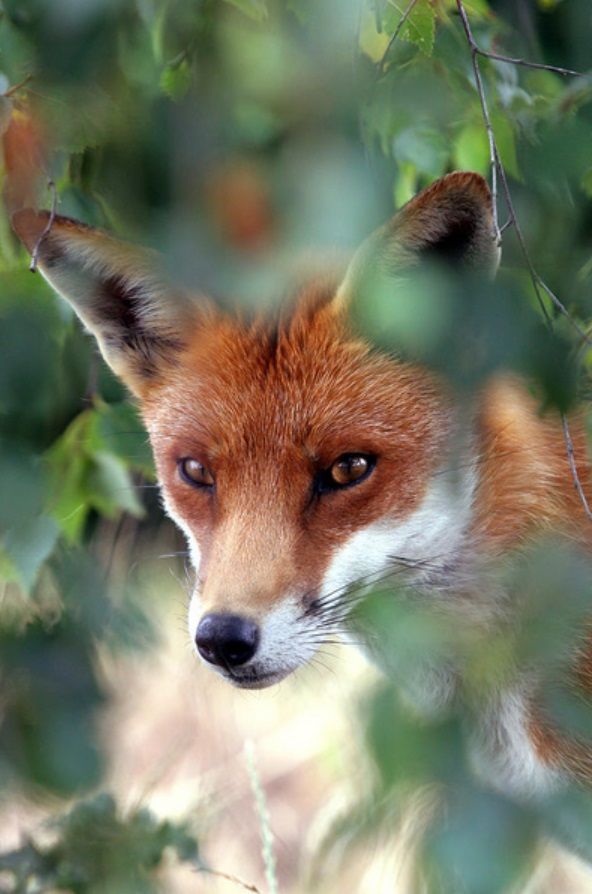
(498, 168)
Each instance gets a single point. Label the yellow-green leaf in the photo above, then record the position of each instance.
(471, 149)
(419, 27)
(175, 80)
(254, 9)
(506, 144)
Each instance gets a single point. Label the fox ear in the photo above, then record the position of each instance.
(451, 221)
(138, 321)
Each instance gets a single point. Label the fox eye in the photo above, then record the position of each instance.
(348, 469)
(195, 473)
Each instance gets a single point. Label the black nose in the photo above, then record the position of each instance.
(226, 640)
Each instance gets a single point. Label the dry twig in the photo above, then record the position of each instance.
(16, 87)
(54, 204)
(232, 878)
(499, 57)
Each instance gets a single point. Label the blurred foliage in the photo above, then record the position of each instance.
(95, 850)
(228, 134)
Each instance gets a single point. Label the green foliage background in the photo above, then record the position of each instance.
(152, 106)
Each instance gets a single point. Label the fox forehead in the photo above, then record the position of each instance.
(300, 389)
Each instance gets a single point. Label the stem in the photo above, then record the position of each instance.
(540, 65)
(493, 155)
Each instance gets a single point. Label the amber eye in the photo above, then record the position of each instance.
(350, 468)
(194, 473)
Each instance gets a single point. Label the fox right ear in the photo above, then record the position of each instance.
(451, 221)
(116, 289)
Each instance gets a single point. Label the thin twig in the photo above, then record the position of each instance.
(231, 878)
(16, 87)
(537, 281)
(485, 111)
(397, 31)
(512, 61)
(571, 458)
(54, 204)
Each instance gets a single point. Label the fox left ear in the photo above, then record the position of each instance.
(138, 320)
(451, 221)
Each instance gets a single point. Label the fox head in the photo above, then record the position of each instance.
(298, 461)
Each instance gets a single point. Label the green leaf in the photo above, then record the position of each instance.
(86, 474)
(175, 80)
(471, 149)
(405, 184)
(254, 9)
(506, 143)
(299, 10)
(423, 147)
(483, 846)
(419, 27)
(29, 546)
(110, 487)
(477, 8)
(372, 42)
(120, 431)
(586, 183)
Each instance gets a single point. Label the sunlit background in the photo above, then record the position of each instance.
(249, 141)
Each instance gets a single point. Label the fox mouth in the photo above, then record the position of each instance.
(252, 679)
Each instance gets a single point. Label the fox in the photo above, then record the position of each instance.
(301, 461)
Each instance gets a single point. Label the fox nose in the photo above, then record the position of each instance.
(226, 640)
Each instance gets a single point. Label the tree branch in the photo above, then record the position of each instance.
(16, 87)
(485, 111)
(540, 65)
(537, 281)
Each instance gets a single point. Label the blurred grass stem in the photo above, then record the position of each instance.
(263, 816)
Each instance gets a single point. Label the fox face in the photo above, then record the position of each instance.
(298, 461)
(282, 452)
